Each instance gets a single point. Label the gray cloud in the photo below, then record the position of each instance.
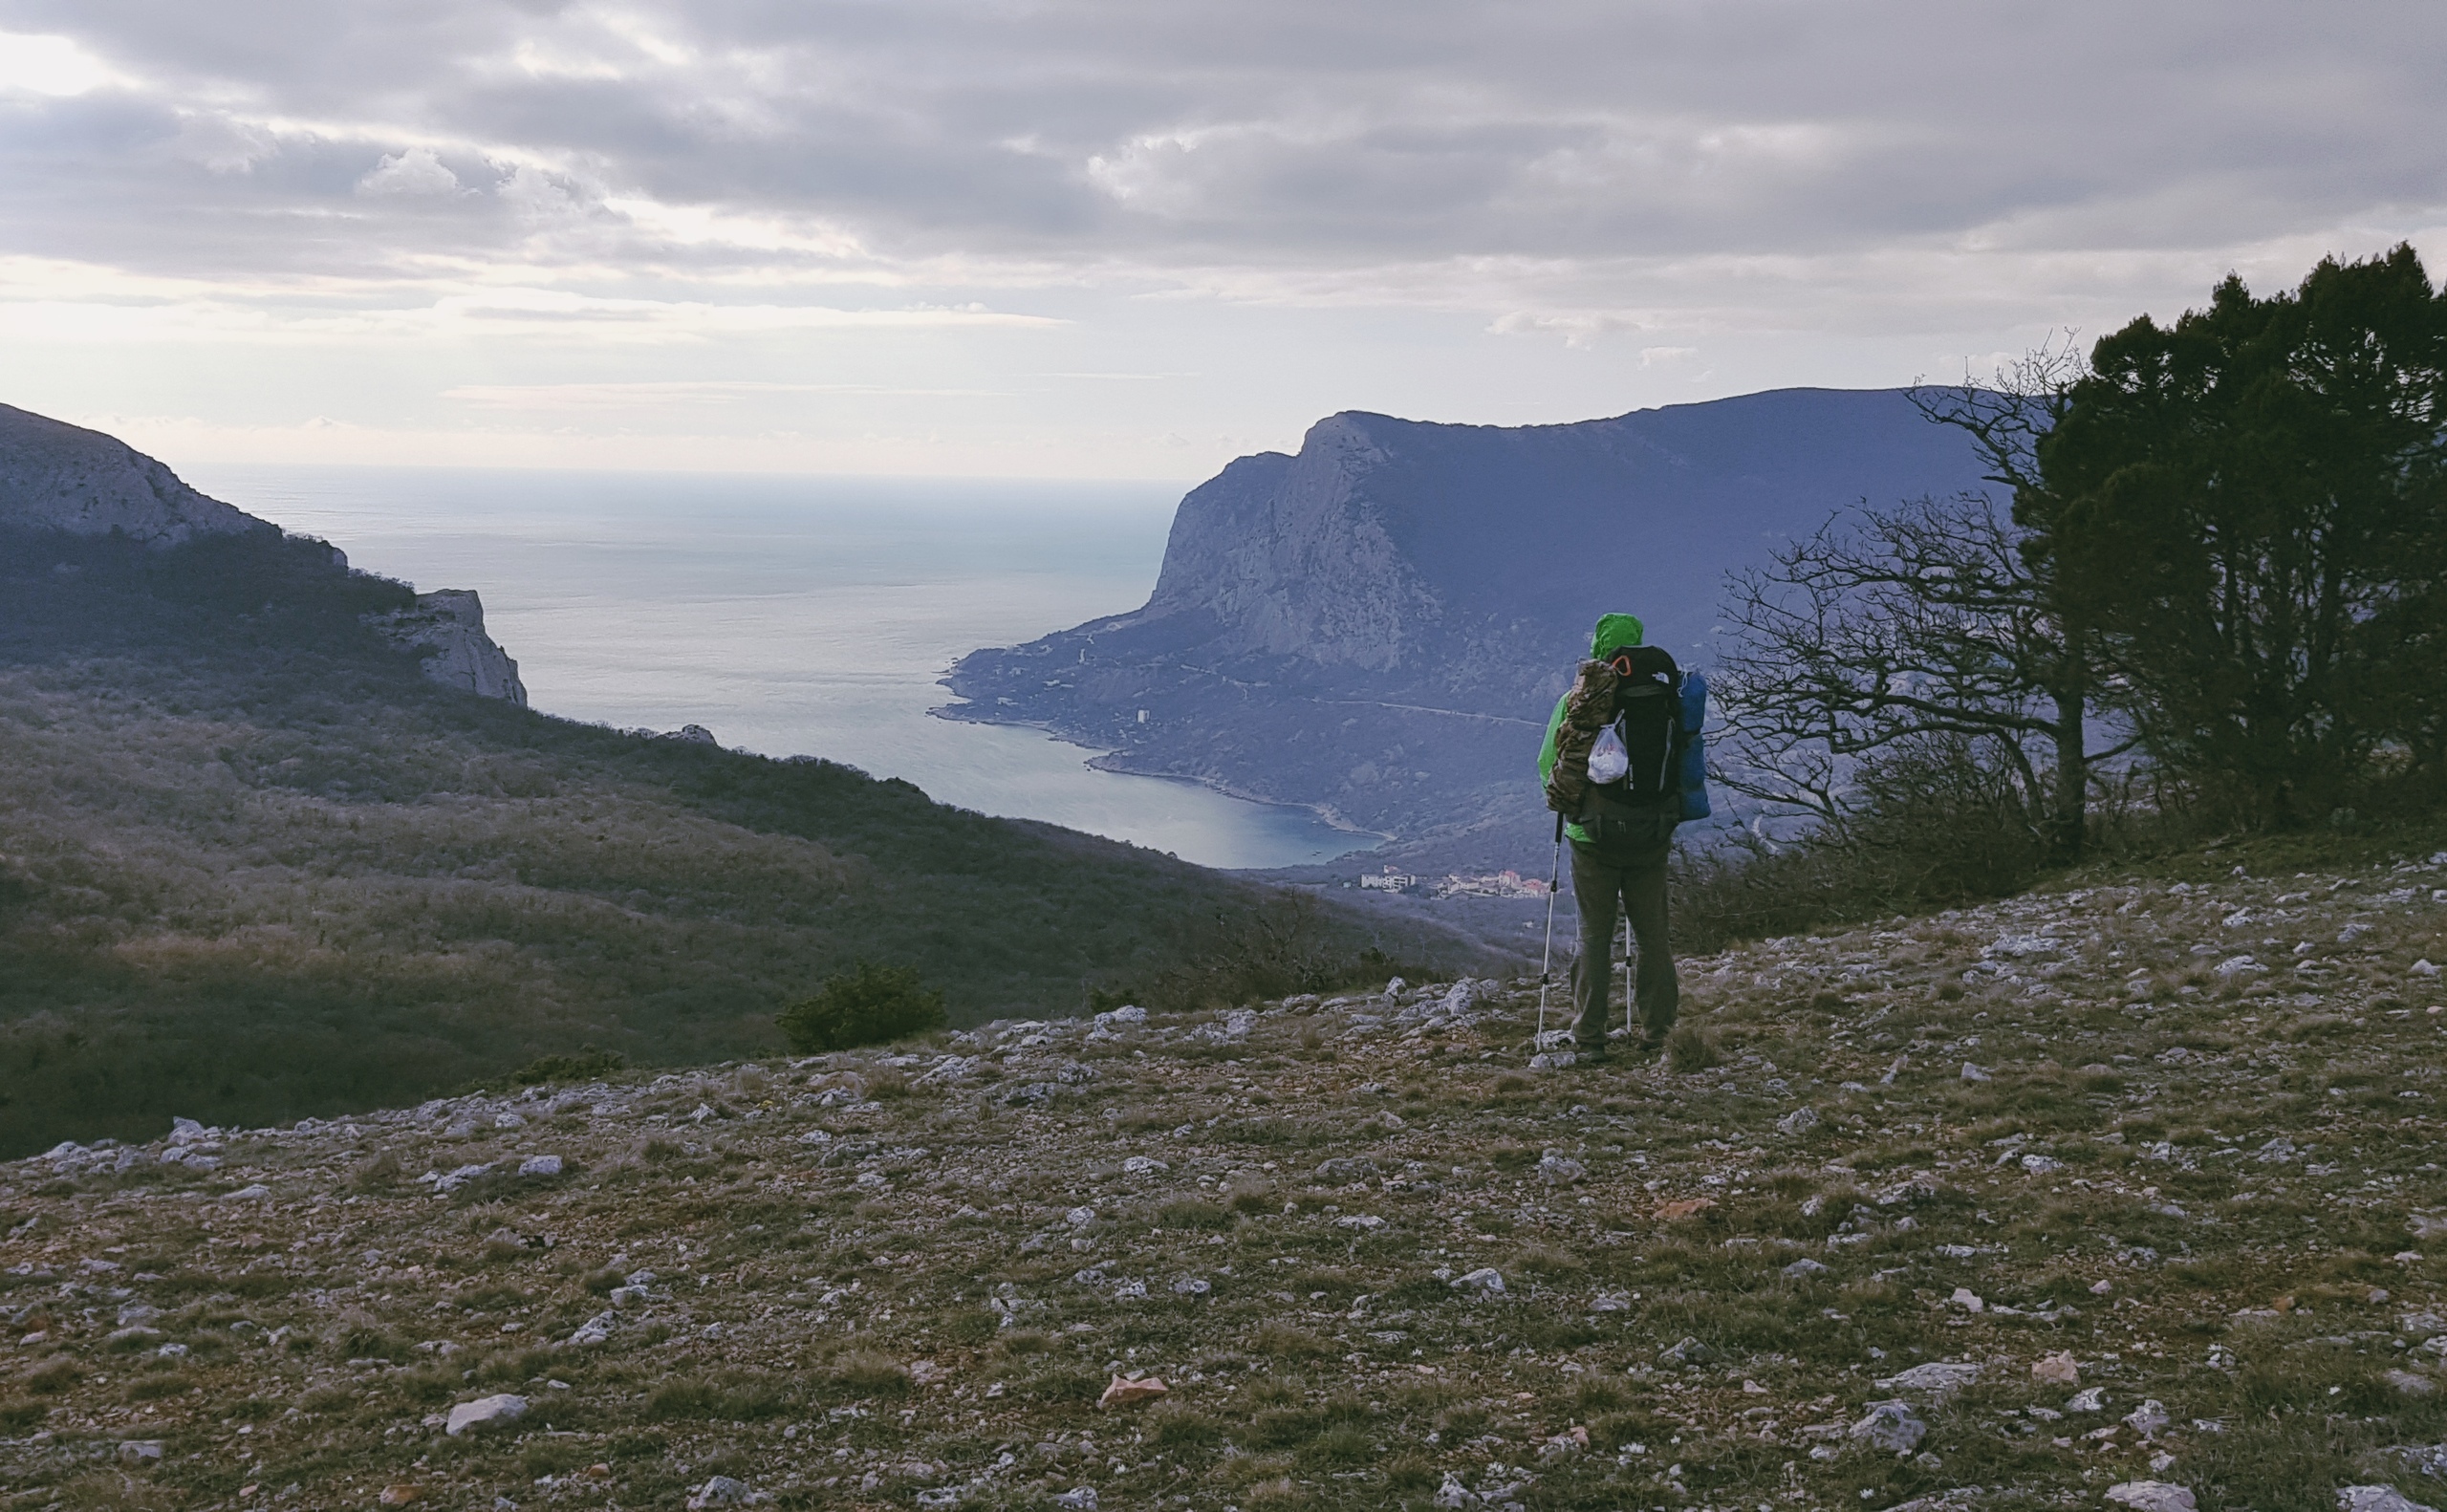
(1263, 135)
(848, 234)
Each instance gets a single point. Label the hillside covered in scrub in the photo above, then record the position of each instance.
(2126, 1192)
(254, 867)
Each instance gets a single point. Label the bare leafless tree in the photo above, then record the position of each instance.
(1934, 619)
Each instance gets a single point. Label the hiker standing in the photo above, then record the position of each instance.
(1621, 765)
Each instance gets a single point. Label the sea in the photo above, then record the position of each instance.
(794, 616)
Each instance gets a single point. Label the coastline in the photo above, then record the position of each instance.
(1106, 761)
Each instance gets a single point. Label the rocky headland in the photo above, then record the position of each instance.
(65, 480)
(1376, 627)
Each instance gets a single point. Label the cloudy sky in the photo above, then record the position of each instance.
(1131, 238)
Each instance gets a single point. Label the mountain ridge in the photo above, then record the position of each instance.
(1374, 626)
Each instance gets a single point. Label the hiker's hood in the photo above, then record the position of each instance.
(1615, 632)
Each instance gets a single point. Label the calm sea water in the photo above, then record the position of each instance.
(793, 616)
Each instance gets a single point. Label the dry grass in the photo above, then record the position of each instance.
(2213, 1199)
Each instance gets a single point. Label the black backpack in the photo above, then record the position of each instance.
(1648, 719)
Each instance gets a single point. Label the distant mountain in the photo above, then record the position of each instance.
(1376, 627)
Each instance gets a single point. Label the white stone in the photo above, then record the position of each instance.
(2377, 1499)
(486, 1412)
(540, 1165)
(1973, 1073)
(1486, 1280)
(1941, 1376)
(1892, 1427)
(2151, 1495)
(1558, 1169)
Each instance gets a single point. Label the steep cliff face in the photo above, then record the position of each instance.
(446, 629)
(1377, 626)
(55, 476)
(59, 477)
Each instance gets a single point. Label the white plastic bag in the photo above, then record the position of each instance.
(1608, 760)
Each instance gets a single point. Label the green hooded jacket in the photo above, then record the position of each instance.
(1615, 632)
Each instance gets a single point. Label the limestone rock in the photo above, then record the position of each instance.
(1892, 1427)
(2377, 1499)
(55, 476)
(446, 630)
(486, 1412)
(1944, 1377)
(2407, 1383)
(1486, 1281)
(1558, 1169)
(721, 1491)
(2151, 1495)
(2057, 1370)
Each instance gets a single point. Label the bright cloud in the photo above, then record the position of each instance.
(54, 66)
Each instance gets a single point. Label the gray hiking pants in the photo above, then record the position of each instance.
(1629, 873)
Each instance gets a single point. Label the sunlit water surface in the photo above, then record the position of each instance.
(793, 614)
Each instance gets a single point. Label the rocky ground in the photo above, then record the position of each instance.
(2119, 1194)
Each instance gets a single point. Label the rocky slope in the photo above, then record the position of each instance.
(2124, 1193)
(55, 476)
(1377, 626)
(60, 478)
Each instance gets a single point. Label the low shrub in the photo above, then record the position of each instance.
(868, 1005)
(1691, 1048)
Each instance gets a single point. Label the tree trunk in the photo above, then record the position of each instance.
(2069, 822)
(2070, 827)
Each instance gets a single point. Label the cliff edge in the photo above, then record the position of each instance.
(446, 629)
(63, 478)
(1376, 627)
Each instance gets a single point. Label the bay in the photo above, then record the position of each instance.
(793, 616)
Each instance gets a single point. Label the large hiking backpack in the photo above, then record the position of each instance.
(1640, 717)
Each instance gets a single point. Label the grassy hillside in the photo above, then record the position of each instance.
(252, 866)
(2134, 1180)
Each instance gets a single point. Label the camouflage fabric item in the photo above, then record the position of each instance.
(1588, 709)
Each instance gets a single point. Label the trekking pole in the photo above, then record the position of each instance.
(1630, 979)
(1547, 956)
